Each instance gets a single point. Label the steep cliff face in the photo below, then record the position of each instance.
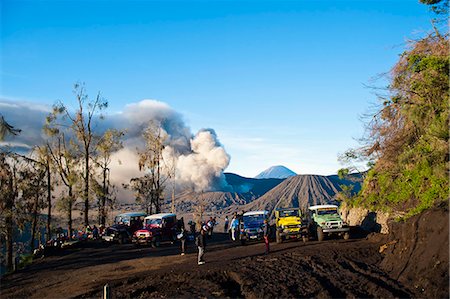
(417, 252)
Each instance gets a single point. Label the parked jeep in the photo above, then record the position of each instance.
(157, 228)
(251, 226)
(290, 225)
(326, 220)
(124, 226)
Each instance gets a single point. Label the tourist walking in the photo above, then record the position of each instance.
(266, 235)
(225, 225)
(234, 227)
(201, 244)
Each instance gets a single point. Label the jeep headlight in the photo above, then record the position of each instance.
(260, 230)
(282, 226)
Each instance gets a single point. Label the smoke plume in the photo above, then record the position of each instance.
(199, 160)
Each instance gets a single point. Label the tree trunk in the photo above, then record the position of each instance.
(69, 212)
(49, 201)
(9, 223)
(86, 190)
(103, 200)
(35, 218)
(9, 243)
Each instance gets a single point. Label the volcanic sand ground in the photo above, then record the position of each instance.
(333, 268)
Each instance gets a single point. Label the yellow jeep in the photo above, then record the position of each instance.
(290, 225)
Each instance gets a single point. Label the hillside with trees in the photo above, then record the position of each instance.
(407, 138)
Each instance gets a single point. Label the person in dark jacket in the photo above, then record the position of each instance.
(201, 244)
(225, 225)
(266, 235)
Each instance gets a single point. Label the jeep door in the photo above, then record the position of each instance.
(168, 228)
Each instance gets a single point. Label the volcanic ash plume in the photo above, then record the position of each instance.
(199, 160)
(202, 168)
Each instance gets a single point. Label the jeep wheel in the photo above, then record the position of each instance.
(319, 234)
(156, 241)
(346, 236)
(279, 239)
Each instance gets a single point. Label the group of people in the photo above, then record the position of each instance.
(94, 232)
(206, 231)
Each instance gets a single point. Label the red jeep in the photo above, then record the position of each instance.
(157, 228)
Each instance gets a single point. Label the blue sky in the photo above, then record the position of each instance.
(281, 82)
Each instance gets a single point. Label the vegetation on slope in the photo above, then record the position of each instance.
(408, 138)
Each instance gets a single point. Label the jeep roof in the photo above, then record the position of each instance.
(256, 213)
(313, 208)
(132, 214)
(286, 209)
(160, 216)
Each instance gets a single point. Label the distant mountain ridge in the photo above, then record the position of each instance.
(257, 187)
(276, 172)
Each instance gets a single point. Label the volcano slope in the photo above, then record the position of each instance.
(297, 191)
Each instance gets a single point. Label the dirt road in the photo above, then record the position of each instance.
(333, 268)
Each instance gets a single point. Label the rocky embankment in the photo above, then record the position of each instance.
(371, 221)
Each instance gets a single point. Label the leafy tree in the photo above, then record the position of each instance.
(31, 183)
(65, 161)
(409, 136)
(8, 192)
(8, 195)
(6, 129)
(81, 124)
(150, 187)
(110, 142)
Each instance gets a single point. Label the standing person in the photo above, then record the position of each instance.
(182, 237)
(225, 225)
(234, 227)
(88, 232)
(182, 234)
(266, 235)
(192, 226)
(201, 244)
(210, 225)
(95, 232)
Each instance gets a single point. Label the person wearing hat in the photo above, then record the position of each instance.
(266, 235)
(200, 241)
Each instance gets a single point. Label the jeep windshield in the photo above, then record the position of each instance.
(122, 220)
(257, 218)
(289, 213)
(331, 211)
(155, 221)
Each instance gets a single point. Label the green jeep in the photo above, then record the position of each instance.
(326, 220)
(290, 225)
